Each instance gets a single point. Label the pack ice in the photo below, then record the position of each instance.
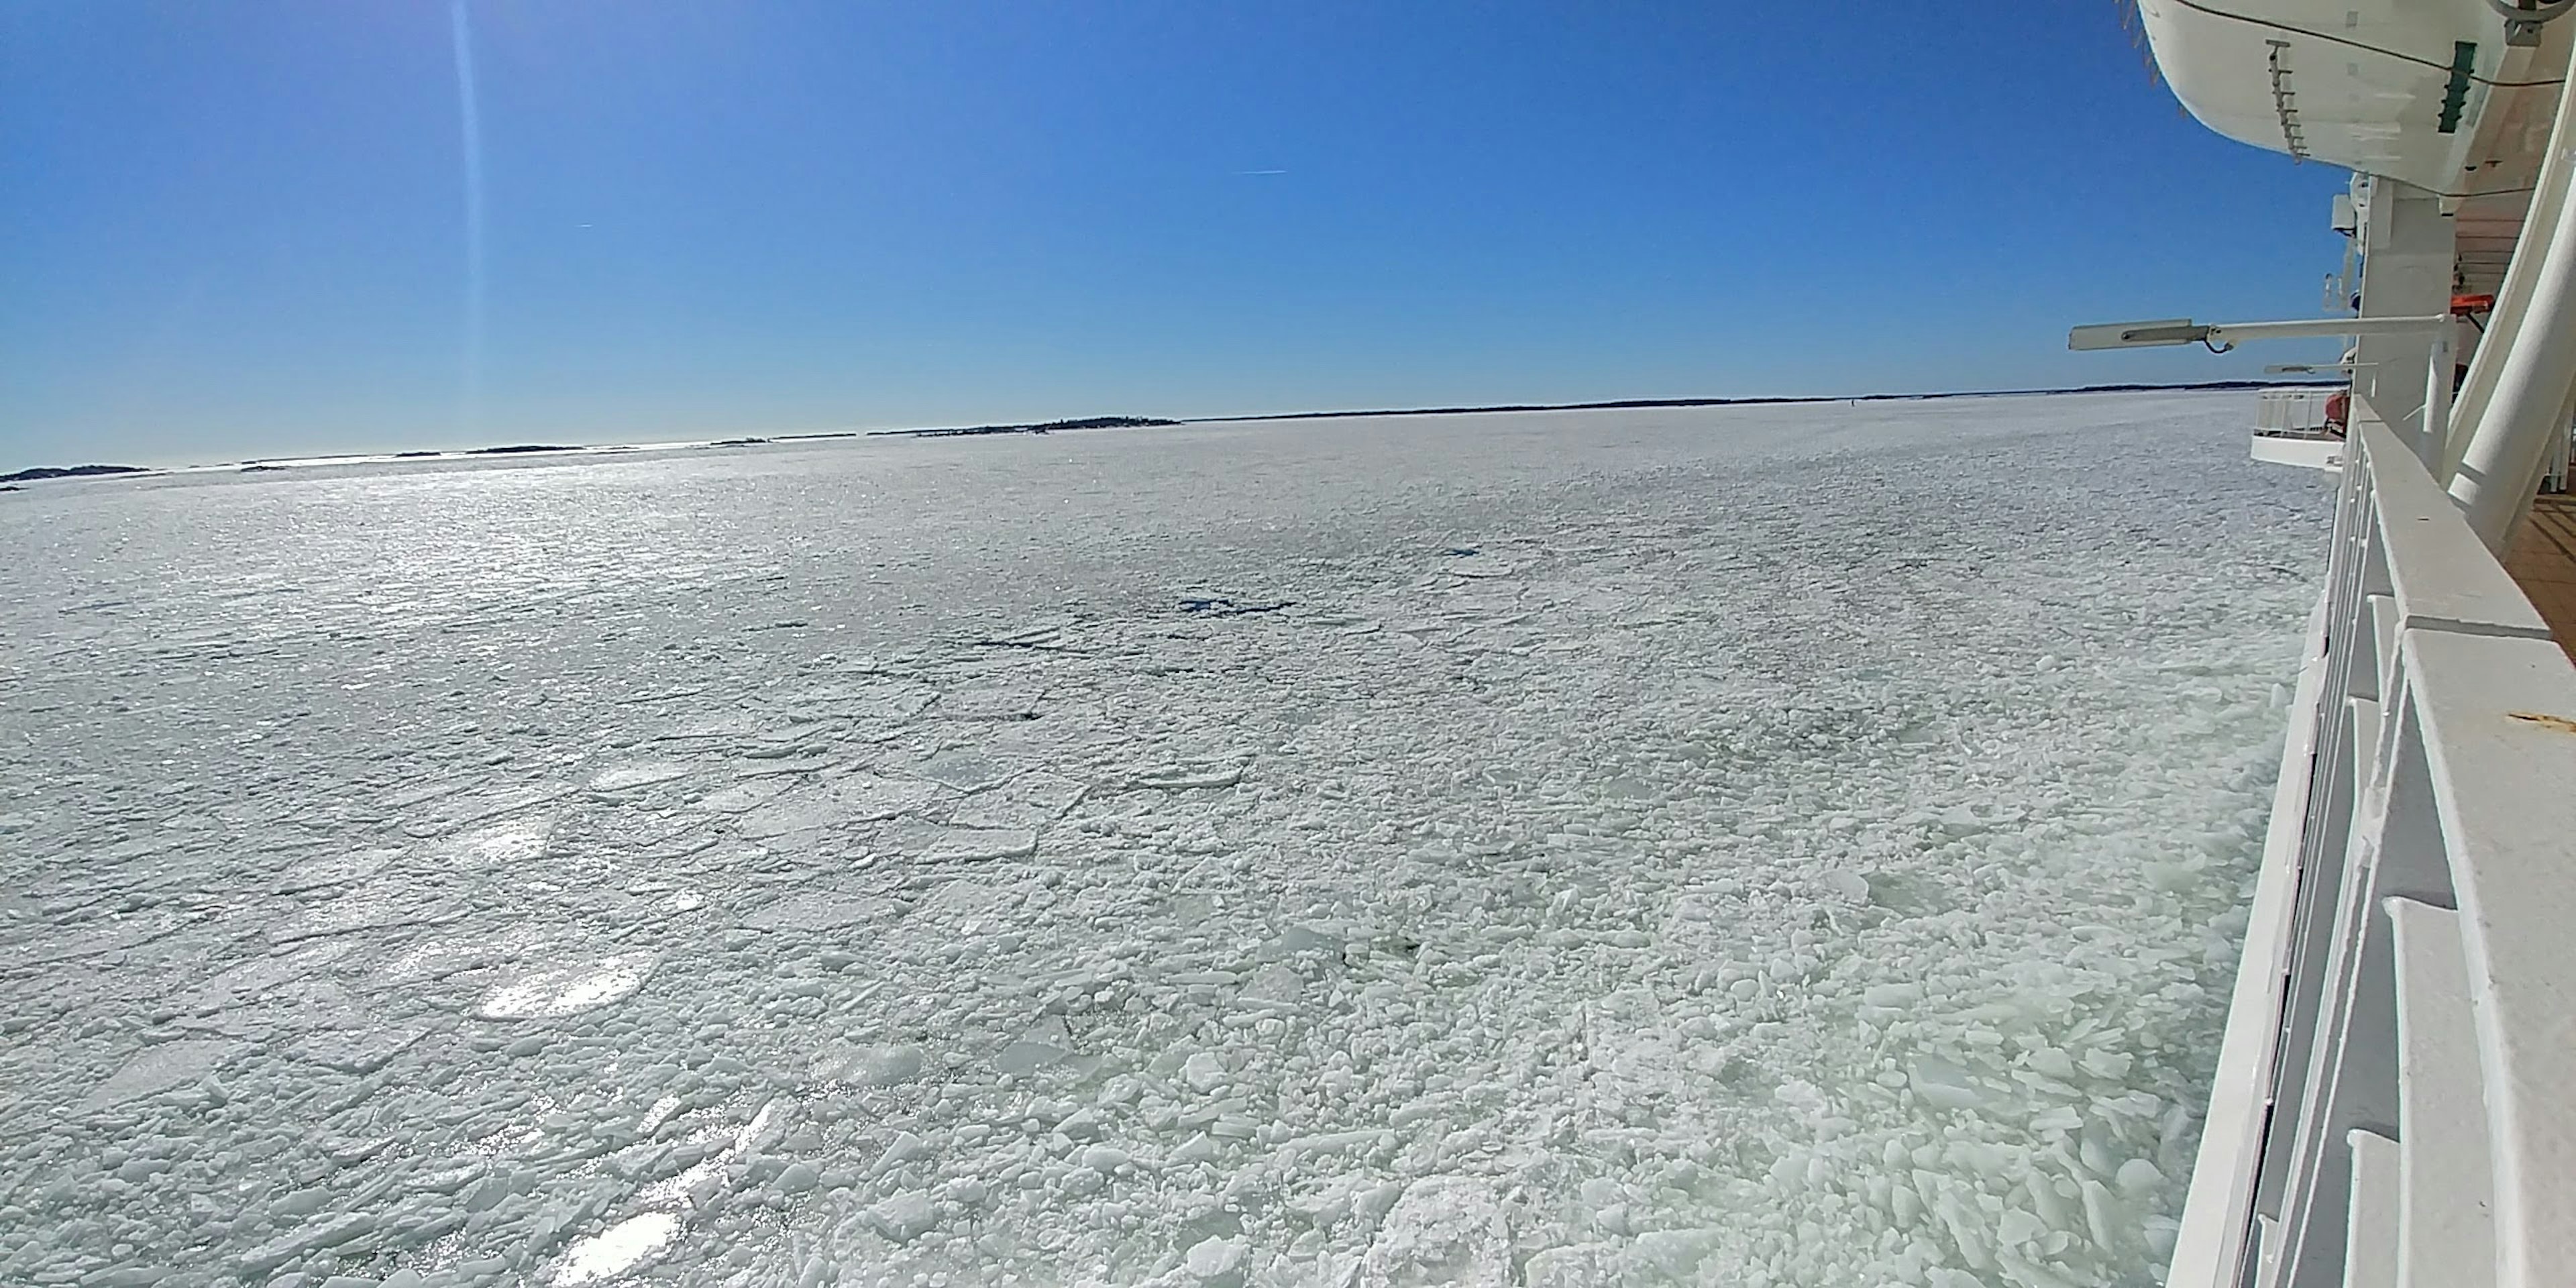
(1755, 846)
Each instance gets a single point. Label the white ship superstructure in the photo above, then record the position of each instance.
(2391, 1104)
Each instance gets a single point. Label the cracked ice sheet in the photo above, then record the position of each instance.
(1799, 843)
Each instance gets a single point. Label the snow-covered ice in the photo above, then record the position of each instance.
(1755, 846)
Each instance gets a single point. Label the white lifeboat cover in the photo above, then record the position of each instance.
(2386, 87)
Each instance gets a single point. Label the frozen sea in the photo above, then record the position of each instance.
(1743, 846)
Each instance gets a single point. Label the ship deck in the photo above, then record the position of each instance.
(2543, 563)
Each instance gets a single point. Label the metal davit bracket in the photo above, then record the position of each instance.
(2523, 18)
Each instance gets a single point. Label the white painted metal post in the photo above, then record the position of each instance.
(2511, 441)
(2435, 431)
(2504, 324)
(2408, 251)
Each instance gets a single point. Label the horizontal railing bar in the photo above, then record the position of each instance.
(2444, 577)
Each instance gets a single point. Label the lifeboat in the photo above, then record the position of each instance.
(2435, 93)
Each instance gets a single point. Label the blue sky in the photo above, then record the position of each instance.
(231, 230)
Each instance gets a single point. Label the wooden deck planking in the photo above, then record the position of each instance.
(2543, 563)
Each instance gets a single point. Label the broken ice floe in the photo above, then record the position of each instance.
(856, 798)
(1172, 778)
(966, 769)
(938, 843)
(637, 774)
(160, 1068)
(506, 844)
(551, 991)
(819, 911)
(743, 796)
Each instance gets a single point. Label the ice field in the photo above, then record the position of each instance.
(1742, 846)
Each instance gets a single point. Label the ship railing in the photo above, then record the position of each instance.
(2299, 412)
(2396, 1094)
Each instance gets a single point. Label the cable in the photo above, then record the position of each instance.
(2366, 46)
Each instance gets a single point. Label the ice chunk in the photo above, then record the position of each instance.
(619, 1248)
(1274, 983)
(1204, 1071)
(2106, 1064)
(1214, 1257)
(2139, 1178)
(1892, 995)
(906, 1216)
(2056, 1118)
(873, 1066)
(329, 1232)
(1445, 1230)
(1043, 1043)
(1304, 939)
(2018, 1227)
(1944, 1085)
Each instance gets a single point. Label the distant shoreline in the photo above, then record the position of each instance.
(41, 473)
(1039, 427)
(1631, 404)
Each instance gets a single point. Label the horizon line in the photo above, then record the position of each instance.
(1617, 404)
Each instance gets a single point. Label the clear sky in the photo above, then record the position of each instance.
(246, 228)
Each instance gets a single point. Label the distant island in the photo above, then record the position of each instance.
(518, 447)
(402, 455)
(68, 472)
(1047, 427)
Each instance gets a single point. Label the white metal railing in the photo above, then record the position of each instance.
(2291, 411)
(2393, 1102)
